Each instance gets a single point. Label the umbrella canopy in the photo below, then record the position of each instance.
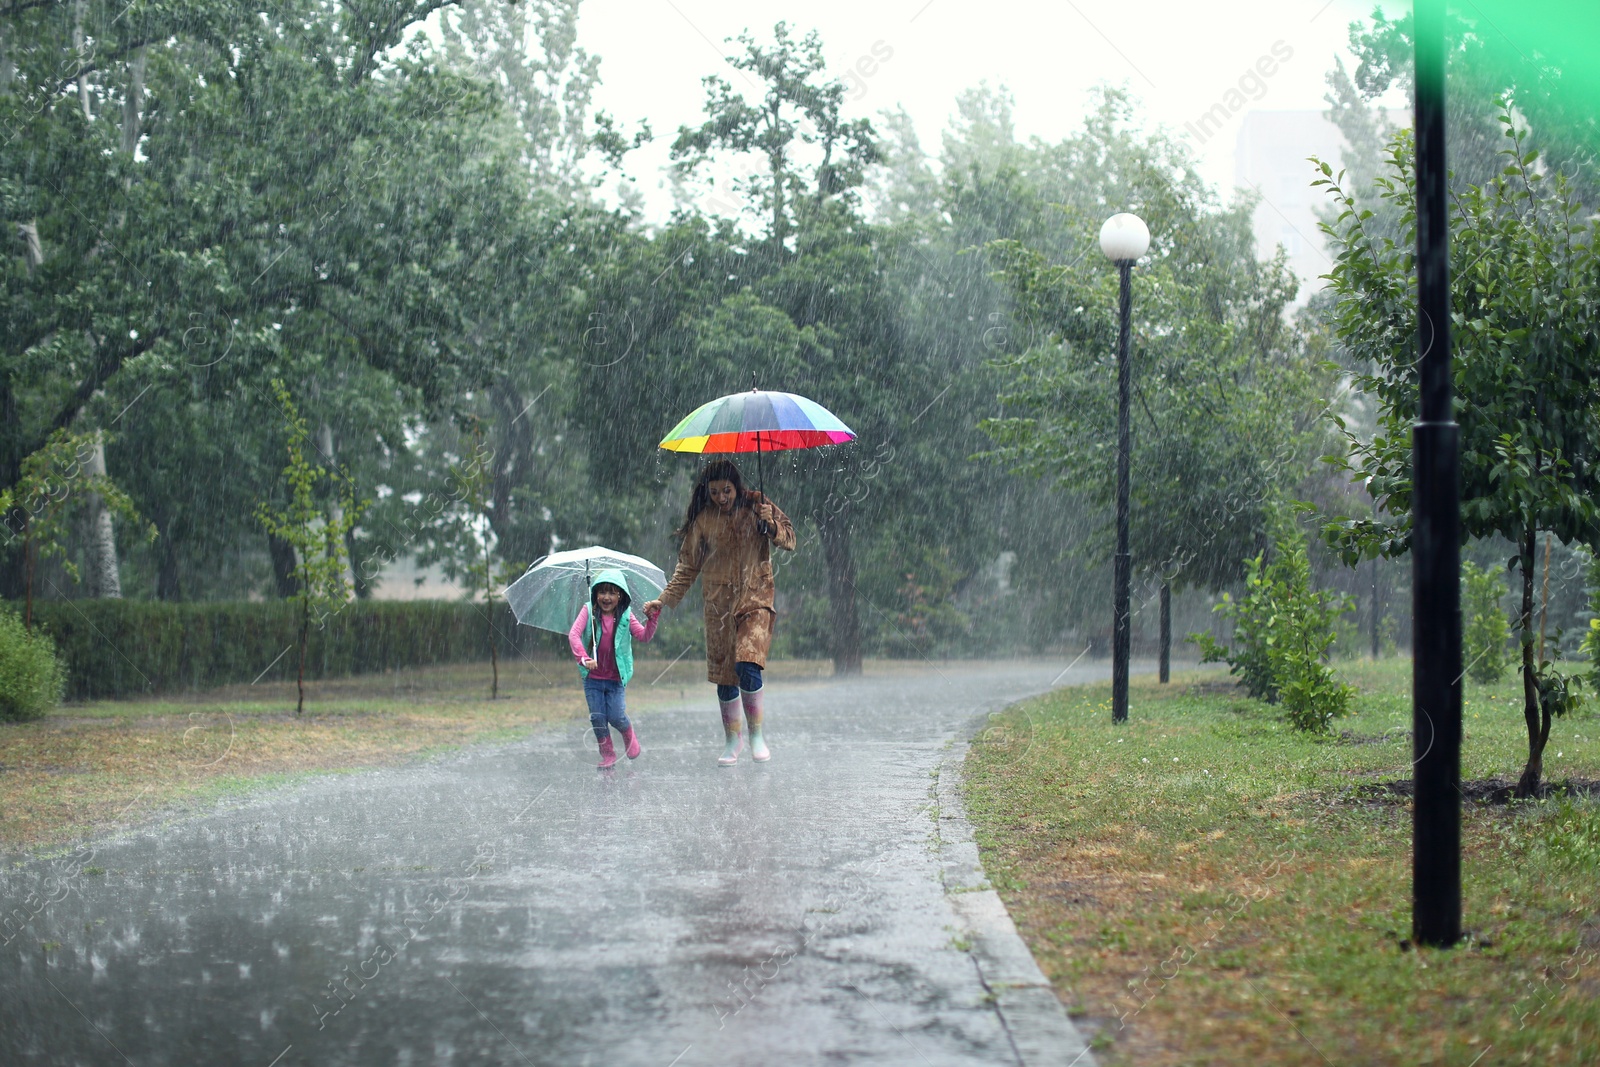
(549, 595)
(757, 421)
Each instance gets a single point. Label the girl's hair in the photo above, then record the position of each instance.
(594, 616)
(718, 470)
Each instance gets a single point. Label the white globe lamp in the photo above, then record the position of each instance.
(1124, 237)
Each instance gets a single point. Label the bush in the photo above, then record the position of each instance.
(1484, 642)
(31, 678)
(1282, 632)
(113, 648)
(1591, 636)
(1248, 659)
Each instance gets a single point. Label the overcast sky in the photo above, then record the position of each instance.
(1178, 58)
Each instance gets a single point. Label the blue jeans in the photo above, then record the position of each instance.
(606, 706)
(749, 680)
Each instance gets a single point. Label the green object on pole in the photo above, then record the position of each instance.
(1561, 36)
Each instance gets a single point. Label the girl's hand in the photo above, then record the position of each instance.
(652, 608)
(589, 664)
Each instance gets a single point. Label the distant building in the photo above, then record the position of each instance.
(1270, 159)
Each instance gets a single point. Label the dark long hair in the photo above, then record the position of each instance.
(718, 470)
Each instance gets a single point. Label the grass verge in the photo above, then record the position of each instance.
(91, 767)
(1203, 885)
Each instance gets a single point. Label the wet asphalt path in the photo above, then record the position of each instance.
(514, 906)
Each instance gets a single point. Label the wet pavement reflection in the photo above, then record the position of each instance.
(512, 905)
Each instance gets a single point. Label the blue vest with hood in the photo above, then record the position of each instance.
(622, 635)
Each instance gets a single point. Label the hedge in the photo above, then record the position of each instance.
(114, 648)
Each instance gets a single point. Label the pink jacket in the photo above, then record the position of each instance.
(606, 655)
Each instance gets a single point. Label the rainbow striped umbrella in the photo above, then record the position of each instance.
(757, 421)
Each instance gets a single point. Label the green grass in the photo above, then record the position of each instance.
(1203, 885)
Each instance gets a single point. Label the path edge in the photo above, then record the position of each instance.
(1041, 1032)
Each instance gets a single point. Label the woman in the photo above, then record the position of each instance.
(726, 540)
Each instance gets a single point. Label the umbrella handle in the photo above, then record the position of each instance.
(763, 527)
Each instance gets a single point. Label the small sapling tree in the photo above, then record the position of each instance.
(316, 531)
(470, 537)
(1283, 630)
(1486, 633)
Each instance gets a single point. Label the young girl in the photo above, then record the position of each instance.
(727, 537)
(607, 669)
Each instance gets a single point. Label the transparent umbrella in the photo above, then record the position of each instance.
(549, 595)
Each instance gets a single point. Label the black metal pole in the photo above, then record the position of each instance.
(1436, 526)
(1121, 620)
(1166, 633)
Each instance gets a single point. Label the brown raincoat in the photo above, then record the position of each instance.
(734, 562)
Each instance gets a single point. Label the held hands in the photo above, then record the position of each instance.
(652, 608)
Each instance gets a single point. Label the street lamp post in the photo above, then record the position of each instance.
(1123, 238)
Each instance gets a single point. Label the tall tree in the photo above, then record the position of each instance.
(811, 155)
(806, 192)
(1225, 387)
(172, 267)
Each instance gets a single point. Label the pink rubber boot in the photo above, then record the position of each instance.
(730, 732)
(631, 739)
(608, 752)
(752, 714)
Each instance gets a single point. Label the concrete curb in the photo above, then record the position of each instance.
(1040, 1030)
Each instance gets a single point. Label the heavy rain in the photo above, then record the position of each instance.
(672, 532)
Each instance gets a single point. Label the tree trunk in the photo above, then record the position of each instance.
(78, 46)
(27, 563)
(359, 585)
(13, 568)
(846, 623)
(133, 102)
(775, 166)
(494, 655)
(8, 66)
(1376, 620)
(168, 585)
(283, 562)
(105, 581)
(32, 247)
(16, 575)
(1544, 599)
(1537, 722)
(514, 452)
(300, 675)
(1166, 633)
(335, 511)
